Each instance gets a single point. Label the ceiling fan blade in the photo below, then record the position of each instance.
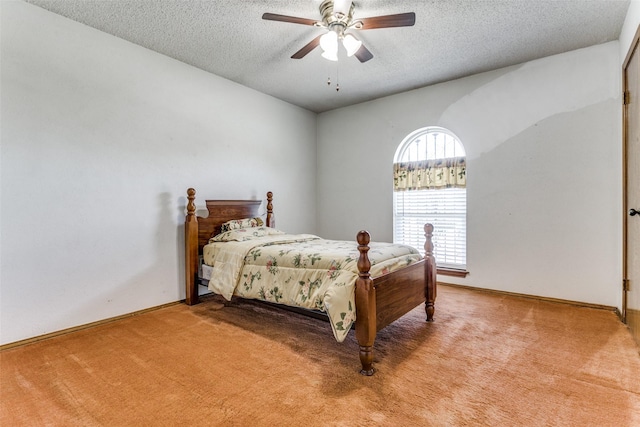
(285, 18)
(363, 54)
(387, 21)
(307, 48)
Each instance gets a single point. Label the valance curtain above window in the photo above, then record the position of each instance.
(430, 174)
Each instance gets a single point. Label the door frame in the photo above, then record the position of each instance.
(633, 48)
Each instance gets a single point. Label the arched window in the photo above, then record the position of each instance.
(429, 185)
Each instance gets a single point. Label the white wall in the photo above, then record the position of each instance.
(100, 140)
(629, 28)
(543, 143)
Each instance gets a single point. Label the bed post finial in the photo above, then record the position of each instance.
(271, 222)
(428, 242)
(191, 250)
(364, 264)
(191, 207)
(366, 326)
(430, 272)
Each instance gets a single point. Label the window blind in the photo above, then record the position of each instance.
(446, 209)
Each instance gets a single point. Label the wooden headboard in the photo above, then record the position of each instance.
(198, 230)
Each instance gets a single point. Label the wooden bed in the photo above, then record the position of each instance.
(379, 301)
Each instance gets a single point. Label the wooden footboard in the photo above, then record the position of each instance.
(385, 299)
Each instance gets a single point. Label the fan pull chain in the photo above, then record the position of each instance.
(329, 84)
(337, 80)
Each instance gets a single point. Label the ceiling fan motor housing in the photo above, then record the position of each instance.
(331, 20)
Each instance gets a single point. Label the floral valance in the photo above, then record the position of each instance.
(430, 174)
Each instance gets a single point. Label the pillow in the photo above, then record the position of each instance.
(234, 224)
(243, 234)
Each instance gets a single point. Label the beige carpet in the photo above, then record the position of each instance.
(487, 360)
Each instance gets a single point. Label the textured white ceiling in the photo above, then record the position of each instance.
(451, 39)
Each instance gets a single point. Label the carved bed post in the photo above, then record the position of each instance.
(366, 326)
(271, 221)
(191, 249)
(430, 271)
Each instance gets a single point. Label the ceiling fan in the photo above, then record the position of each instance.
(337, 19)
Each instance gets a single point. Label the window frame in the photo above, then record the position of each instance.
(402, 155)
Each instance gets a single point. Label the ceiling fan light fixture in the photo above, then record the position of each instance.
(329, 43)
(351, 44)
(331, 56)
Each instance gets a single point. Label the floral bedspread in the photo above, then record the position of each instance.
(300, 270)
